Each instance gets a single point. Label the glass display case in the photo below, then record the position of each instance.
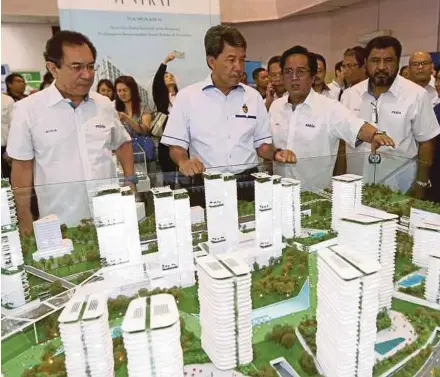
(282, 270)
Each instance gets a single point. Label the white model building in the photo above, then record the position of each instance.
(197, 215)
(221, 211)
(373, 232)
(174, 237)
(432, 284)
(151, 331)
(50, 242)
(268, 213)
(426, 241)
(346, 196)
(15, 287)
(225, 310)
(86, 336)
(291, 207)
(347, 309)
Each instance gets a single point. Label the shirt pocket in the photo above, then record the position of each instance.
(243, 126)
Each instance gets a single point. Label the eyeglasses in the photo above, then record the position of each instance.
(420, 64)
(375, 115)
(275, 74)
(79, 67)
(299, 72)
(349, 65)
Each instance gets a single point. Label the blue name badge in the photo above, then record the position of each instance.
(246, 116)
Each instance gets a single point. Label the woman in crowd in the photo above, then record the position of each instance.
(164, 92)
(106, 88)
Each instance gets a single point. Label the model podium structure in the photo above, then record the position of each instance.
(15, 287)
(221, 211)
(432, 285)
(348, 287)
(174, 237)
(225, 310)
(291, 207)
(373, 232)
(426, 241)
(151, 331)
(86, 337)
(346, 196)
(268, 214)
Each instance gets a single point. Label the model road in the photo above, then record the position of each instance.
(433, 362)
(48, 277)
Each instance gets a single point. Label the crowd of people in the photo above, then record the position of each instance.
(67, 132)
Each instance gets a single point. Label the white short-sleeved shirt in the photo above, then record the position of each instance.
(433, 95)
(312, 131)
(7, 104)
(67, 145)
(405, 112)
(222, 131)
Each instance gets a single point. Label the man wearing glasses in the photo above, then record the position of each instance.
(276, 88)
(311, 125)
(420, 71)
(403, 110)
(64, 134)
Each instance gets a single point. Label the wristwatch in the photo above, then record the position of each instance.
(275, 153)
(378, 132)
(426, 184)
(132, 178)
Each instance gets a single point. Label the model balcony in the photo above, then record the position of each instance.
(166, 226)
(218, 239)
(265, 244)
(215, 203)
(264, 207)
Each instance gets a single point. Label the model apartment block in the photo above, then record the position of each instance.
(348, 291)
(173, 228)
(291, 207)
(268, 213)
(346, 196)
(116, 224)
(86, 336)
(426, 242)
(432, 285)
(225, 310)
(151, 331)
(372, 232)
(221, 211)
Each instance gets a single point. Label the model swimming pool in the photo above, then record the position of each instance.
(385, 347)
(412, 281)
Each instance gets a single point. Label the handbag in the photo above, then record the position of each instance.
(143, 145)
(158, 124)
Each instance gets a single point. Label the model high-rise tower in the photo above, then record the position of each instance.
(432, 285)
(86, 336)
(173, 228)
(151, 331)
(225, 310)
(346, 196)
(348, 305)
(268, 213)
(372, 232)
(15, 287)
(426, 242)
(291, 207)
(221, 211)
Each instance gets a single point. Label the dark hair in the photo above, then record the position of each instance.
(437, 70)
(320, 57)
(300, 50)
(256, 72)
(217, 36)
(107, 83)
(47, 80)
(11, 77)
(338, 66)
(384, 42)
(273, 60)
(401, 69)
(135, 96)
(358, 53)
(54, 46)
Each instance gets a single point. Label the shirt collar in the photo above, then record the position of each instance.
(310, 99)
(394, 88)
(208, 84)
(56, 97)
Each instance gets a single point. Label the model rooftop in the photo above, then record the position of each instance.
(136, 315)
(164, 312)
(180, 191)
(161, 190)
(339, 265)
(290, 182)
(83, 308)
(347, 178)
(95, 308)
(214, 268)
(237, 266)
(47, 219)
(72, 311)
(368, 218)
(365, 264)
(378, 213)
(263, 175)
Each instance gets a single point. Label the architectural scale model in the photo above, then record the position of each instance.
(50, 242)
(426, 241)
(197, 215)
(15, 287)
(346, 196)
(225, 310)
(432, 285)
(378, 241)
(291, 207)
(348, 291)
(151, 332)
(85, 333)
(173, 229)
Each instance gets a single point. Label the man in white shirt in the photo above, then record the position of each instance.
(7, 104)
(65, 135)
(311, 125)
(276, 88)
(402, 109)
(420, 72)
(337, 85)
(319, 85)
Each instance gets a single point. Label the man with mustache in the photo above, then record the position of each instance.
(65, 135)
(402, 109)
